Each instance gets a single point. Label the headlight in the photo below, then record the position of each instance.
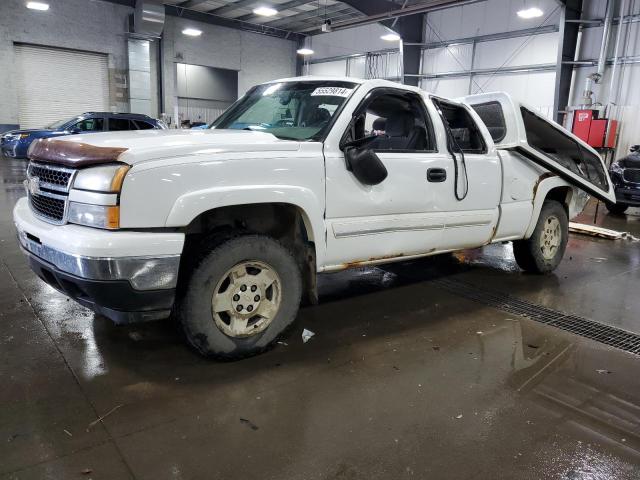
(20, 136)
(100, 216)
(103, 181)
(106, 179)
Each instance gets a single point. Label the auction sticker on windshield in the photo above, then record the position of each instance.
(332, 91)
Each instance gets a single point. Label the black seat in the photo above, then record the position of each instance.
(319, 117)
(379, 124)
(401, 133)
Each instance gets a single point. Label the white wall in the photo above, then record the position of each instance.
(484, 18)
(258, 58)
(88, 25)
(481, 18)
(347, 42)
(99, 26)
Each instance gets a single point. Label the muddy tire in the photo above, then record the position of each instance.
(617, 208)
(543, 251)
(240, 297)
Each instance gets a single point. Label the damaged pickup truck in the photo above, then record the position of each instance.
(228, 227)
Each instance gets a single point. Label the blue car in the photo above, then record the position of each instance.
(15, 143)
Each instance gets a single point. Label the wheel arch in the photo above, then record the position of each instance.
(286, 222)
(549, 187)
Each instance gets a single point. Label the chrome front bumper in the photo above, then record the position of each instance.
(146, 260)
(143, 273)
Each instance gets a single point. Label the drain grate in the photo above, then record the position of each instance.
(612, 336)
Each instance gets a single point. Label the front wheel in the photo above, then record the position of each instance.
(617, 208)
(240, 297)
(543, 251)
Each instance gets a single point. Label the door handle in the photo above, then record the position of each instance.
(436, 175)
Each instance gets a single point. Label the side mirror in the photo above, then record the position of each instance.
(75, 130)
(635, 148)
(365, 165)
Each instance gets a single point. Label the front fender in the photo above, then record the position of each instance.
(188, 206)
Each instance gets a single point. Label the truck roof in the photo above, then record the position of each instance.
(373, 82)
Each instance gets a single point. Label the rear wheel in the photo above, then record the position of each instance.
(241, 296)
(543, 251)
(617, 208)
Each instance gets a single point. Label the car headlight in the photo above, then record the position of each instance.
(104, 180)
(20, 136)
(100, 216)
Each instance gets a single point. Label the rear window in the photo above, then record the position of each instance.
(117, 124)
(492, 116)
(143, 125)
(551, 141)
(466, 133)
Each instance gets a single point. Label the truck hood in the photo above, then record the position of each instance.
(134, 147)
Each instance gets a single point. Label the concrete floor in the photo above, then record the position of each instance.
(402, 379)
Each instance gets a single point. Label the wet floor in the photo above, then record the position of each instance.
(401, 380)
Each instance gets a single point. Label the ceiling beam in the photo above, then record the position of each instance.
(320, 14)
(309, 25)
(205, 17)
(190, 3)
(372, 7)
(281, 7)
(230, 7)
(384, 16)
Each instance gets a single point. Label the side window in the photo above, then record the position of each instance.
(90, 124)
(396, 121)
(551, 141)
(492, 116)
(116, 124)
(464, 131)
(141, 125)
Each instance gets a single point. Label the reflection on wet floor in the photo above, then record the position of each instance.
(402, 379)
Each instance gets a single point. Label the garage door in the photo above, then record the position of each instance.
(54, 84)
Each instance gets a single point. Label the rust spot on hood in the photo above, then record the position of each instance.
(72, 154)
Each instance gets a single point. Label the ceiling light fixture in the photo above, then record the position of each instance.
(38, 6)
(305, 51)
(390, 37)
(192, 32)
(528, 13)
(265, 11)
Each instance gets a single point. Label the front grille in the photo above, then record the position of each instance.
(48, 207)
(48, 190)
(632, 175)
(54, 177)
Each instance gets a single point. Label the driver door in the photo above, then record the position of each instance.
(398, 217)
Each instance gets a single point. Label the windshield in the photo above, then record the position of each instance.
(289, 110)
(61, 123)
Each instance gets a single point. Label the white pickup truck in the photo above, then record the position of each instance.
(228, 227)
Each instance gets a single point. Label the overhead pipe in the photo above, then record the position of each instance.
(616, 55)
(587, 96)
(604, 45)
(430, 6)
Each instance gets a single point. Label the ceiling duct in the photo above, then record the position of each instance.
(148, 18)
